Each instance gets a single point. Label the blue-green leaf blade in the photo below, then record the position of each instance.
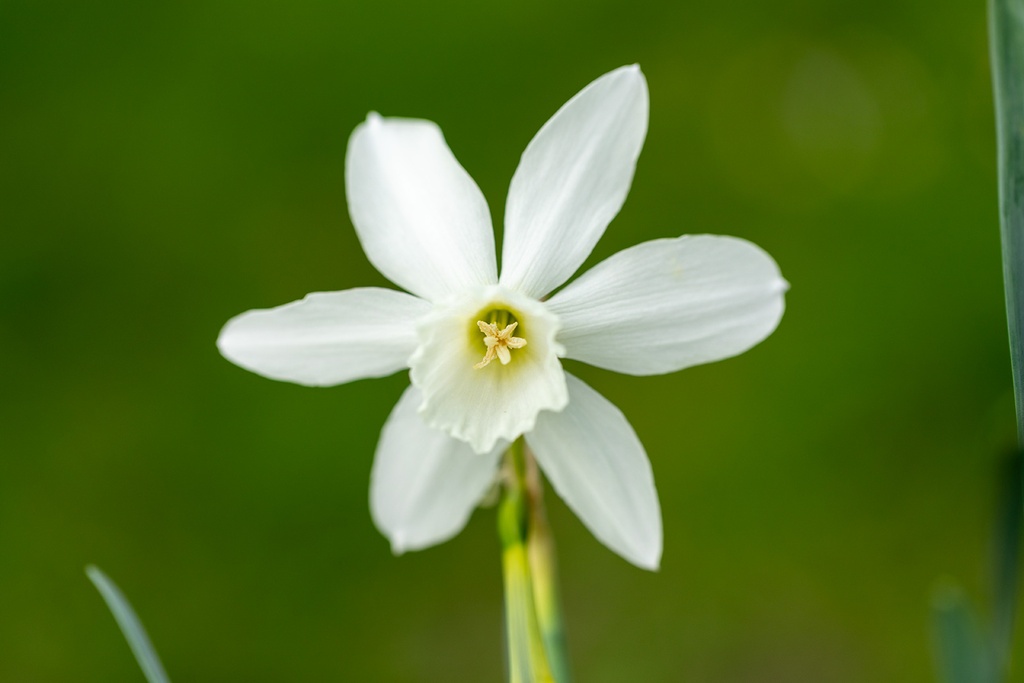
(1006, 43)
(961, 652)
(130, 625)
(1006, 560)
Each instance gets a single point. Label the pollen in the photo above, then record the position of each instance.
(498, 342)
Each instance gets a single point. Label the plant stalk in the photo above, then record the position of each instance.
(534, 632)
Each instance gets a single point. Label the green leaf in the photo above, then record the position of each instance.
(1006, 562)
(130, 625)
(962, 654)
(1006, 42)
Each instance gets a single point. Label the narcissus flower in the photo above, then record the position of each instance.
(484, 350)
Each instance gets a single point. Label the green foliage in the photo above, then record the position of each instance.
(963, 652)
(1006, 35)
(966, 653)
(130, 626)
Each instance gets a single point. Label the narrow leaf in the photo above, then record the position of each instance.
(130, 625)
(1006, 563)
(1006, 44)
(960, 651)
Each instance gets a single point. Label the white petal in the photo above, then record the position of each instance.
(668, 304)
(326, 338)
(572, 180)
(422, 221)
(425, 484)
(596, 463)
(496, 402)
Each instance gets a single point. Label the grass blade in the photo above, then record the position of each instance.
(1006, 43)
(1006, 562)
(130, 625)
(960, 650)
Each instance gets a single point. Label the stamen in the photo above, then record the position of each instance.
(498, 342)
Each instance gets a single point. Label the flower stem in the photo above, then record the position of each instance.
(534, 630)
(540, 546)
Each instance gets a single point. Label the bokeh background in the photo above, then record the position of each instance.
(165, 166)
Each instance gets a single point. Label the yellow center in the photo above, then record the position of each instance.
(498, 342)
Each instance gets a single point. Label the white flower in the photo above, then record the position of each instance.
(654, 308)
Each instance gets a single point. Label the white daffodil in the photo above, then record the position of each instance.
(654, 308)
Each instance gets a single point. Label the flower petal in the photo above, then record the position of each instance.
(326, 338)
(425, 484)
(572, 180)
(668, 304)
(482, 405)
(596, 463)
(421, 219)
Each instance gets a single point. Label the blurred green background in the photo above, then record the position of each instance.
(165, 166)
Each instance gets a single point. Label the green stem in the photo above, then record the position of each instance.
(540, 545)
(533, 621)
